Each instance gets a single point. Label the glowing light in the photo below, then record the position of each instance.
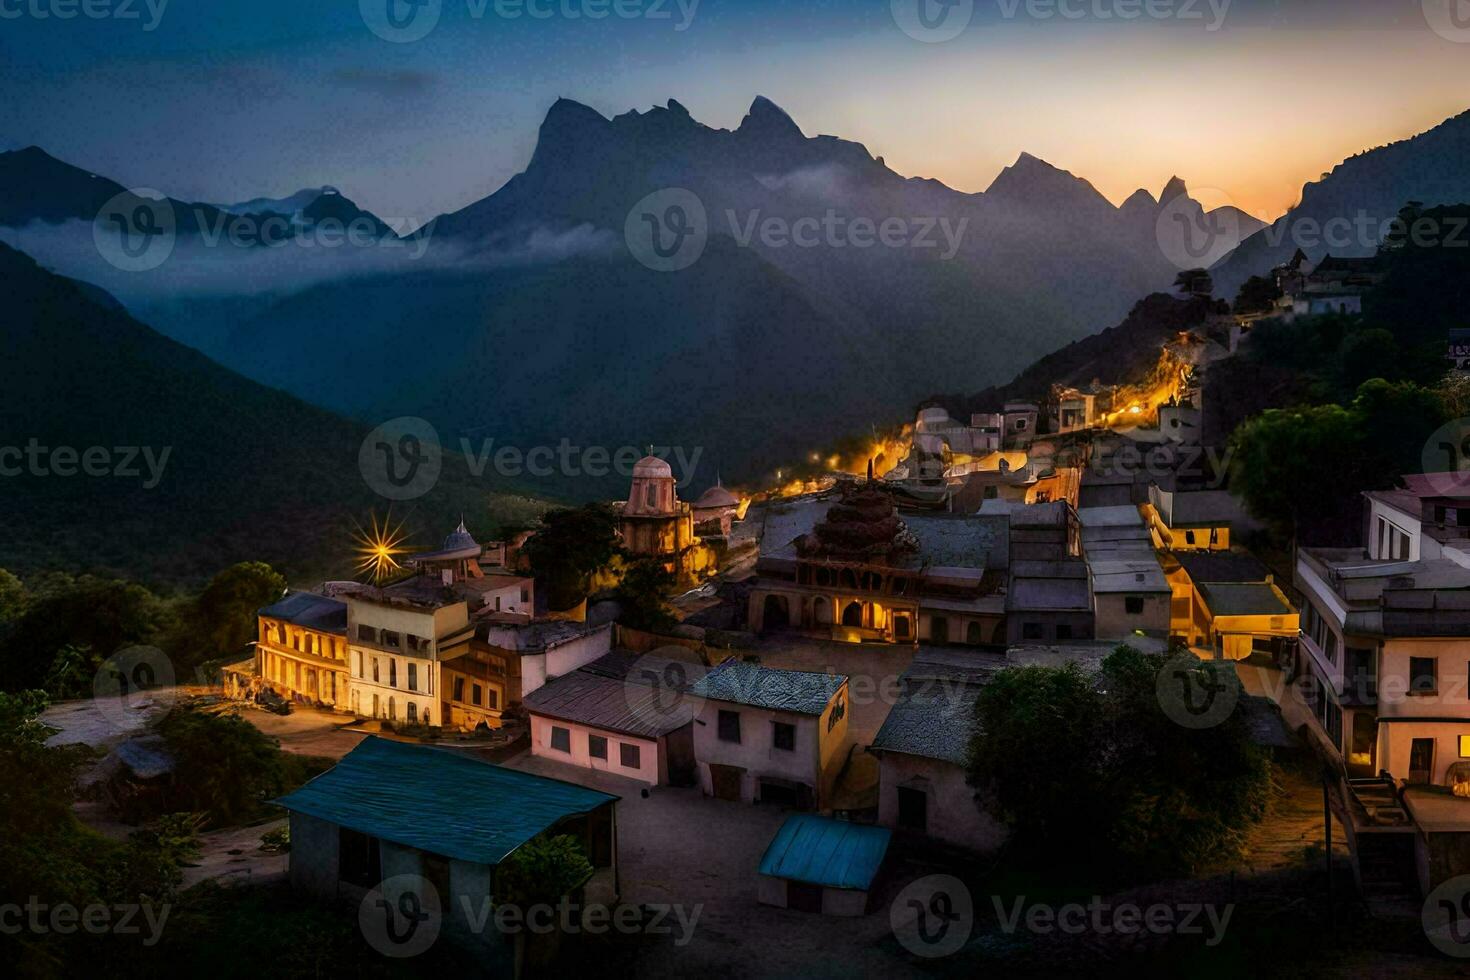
(379, 547)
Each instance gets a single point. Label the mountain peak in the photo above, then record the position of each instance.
(767, 118)
(1033, 180)
(568, 124)
(1174, 188)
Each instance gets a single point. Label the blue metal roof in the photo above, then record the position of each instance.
(439, 801)
(823, 851)
(311, 611)
(803, 692)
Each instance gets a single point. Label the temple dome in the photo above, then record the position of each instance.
(460, 539)
(716, 496)
(652, 467)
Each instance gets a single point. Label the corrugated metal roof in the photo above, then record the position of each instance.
(822, 851)
(439, 801)
(1242, 599)
(623, 693)
(933, 717)
(800, 691)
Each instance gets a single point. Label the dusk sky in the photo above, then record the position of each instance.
(225, 100)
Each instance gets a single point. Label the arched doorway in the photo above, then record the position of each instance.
(776, 614)
(852, 615)
(972, 634)
(938, 630)
(822, 611)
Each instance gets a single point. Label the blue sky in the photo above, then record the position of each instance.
(227, 100)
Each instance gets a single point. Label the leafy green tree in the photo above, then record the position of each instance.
(541, 871)
(12, 598)
(1090, 772)
(224, 613)
(228, 768)
(641, 593)
(1258, 294)
(571, 546)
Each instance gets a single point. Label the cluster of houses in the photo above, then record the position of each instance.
(993, 544)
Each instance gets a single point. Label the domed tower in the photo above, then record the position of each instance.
(653, 490)
(654, 520)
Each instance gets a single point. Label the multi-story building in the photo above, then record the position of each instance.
(1385, 636)
(301, 652)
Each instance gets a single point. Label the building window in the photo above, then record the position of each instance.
(1189, 537)
(413, 713)
(367, 633)
(631, 756)
(1465, 746)
(1032, 631)
(561, 739)
(913, 809)
(357, 664)
(784, 736)
(1064, 631)
(729, 726)
(474, 694)
(1421, 676)
(413, 677)
(358, 859)
(597, 747)
(492, 698)
(459, 689)
(1133, 605)
(392, 672)
(375, 670)
(390, 638)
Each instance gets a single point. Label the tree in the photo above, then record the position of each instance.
(12, 598)
(1090, 772)
(541, 871)
(569, 548)
(224, 614)
(1258, 294)
(641, 593)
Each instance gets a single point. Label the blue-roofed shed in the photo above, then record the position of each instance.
(391, 809)
(817, 864)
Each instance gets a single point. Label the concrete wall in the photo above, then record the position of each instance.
(816, 759)
(314, 856)
(835, 901)
(650, 755)
(1114, 622)
(563, 659)
(1081, 623)
(953, 814)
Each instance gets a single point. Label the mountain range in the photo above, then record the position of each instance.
(528, 318)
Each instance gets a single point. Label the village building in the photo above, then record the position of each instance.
(1384, 637)
(1020, 423)
(1073, 409)
(848, 567)
(301, 650)
(624, 714)
(654, 523)
(1043, 532)
(763, 735)
(369, 822)
(1131, 595)
(817, 864)
(923, 749)
(1184, 516)
(715, 511)
(502, 662)
(1049, 602)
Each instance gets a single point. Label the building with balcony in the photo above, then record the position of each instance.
(301, 650)
(1385, 638)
